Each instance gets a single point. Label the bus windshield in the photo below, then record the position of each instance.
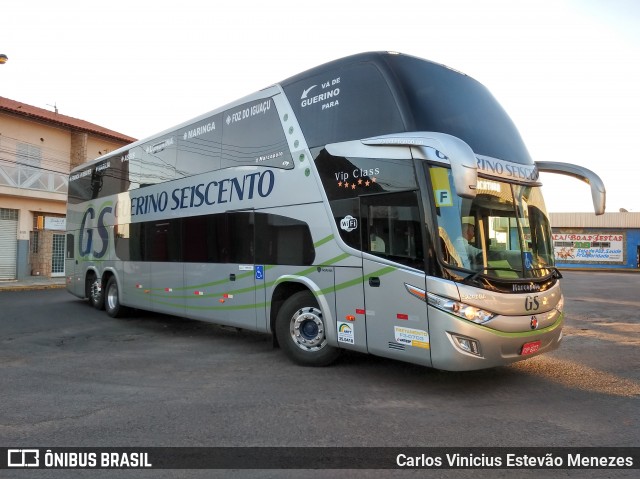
(502, 233)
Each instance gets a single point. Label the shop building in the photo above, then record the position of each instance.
(587, 241)
(38, 148)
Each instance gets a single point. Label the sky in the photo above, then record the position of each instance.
(566, 71)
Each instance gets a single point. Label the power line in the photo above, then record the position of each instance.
(33, 167)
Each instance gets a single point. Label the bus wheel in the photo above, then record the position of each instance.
(300, 330)
(96, 293)
(112, 299)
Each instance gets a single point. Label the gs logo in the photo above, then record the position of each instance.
(531, 303)
(86, 239)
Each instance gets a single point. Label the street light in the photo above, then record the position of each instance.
(3, 58)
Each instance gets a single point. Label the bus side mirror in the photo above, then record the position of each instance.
(464, 164)
(598, 192)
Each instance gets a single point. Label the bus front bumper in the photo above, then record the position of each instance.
(460, 345)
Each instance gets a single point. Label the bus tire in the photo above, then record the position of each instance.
(301, 332)
(112, 299)
(95, 292)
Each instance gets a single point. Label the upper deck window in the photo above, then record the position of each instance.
(446, 101)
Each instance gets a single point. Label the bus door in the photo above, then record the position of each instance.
(151, 274)
(219, 268)
(75, 284)
(393, 264)
(132, 245)
(238, 293)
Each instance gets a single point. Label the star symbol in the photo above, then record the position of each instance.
(367, 183)
(339, 183)
(373, 180)
(346, 184)
(360, 181)
(353, 186)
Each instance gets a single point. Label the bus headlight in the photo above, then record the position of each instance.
(465, 311)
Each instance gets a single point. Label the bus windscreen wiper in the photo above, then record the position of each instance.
(555, 272)
(474, 276)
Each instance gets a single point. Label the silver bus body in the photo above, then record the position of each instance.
(326, 216)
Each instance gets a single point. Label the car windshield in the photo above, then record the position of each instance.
(502, 233)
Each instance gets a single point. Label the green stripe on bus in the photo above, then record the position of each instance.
(323, 241)
(226, 281)
(329, 290)
(525, 334)
(356, 281)
(215, 307)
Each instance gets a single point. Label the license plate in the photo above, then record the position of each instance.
(530, 348)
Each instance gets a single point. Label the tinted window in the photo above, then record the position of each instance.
(123, 245)
(108, 177)
(158, 162)
(112, 176)
(199, 146)
(392, 229)
(202, 236)
(131, 242)
(253, 135)
(137, 170)
(379, 93)
(239, 237)
(346, 101)
(444, 100)
(282, 240)
(344, 178)
(164, 241)
(150, 241)
(70, 248)
(347, 179)
(80, 186)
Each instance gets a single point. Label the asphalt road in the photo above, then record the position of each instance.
(72, 376)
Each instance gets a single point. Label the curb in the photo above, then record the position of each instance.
(31, 287)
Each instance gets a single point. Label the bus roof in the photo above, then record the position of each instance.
(379, 93)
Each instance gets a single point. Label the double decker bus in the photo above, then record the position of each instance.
(379, 203)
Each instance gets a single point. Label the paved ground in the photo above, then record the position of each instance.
(72, 376)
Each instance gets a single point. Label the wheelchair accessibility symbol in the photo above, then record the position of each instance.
(259, 272)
